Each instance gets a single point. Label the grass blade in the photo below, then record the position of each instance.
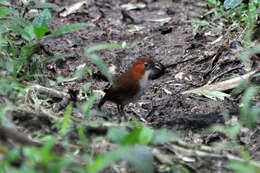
(68, 28)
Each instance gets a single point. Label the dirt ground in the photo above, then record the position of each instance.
(158, 31)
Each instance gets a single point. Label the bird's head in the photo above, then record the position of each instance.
(143, 67)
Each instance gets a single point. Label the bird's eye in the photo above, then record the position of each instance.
(146, 64)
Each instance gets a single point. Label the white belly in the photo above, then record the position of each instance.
(143, 84)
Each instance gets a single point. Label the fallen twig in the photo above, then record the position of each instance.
(17, 136)
(221, 86)
(221, 74)
(179, 146)
(48, 91)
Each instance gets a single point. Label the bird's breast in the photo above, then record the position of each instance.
(142, 86)
(144, 81)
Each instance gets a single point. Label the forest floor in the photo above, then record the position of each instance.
(161, 31)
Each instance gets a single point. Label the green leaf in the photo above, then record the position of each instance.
(27, 36)
(83, 138)
(3, 2)
(6, 11)
(212, 94)
(41, 22)
(12, 47)
(65, 122)
(246, 55)
(40, 31)
(141, 158)
(197, 24)
(162, 136)
(146, 135)
(132, 138)
(99, 62)
(140, 135)
(30, 30)
(10, 156)
(86, 87)
(24, 53)
(117, 134)
(104, 46)
(43, 19)
(55, 58)
(88, 104)
(232, 3)
(45, 5)
(81, 71)
(104, 160)
(228, 130)
(3, 119)
(247, 116)
(60, 165)
(3, 42)
(239, 167)
(68, 28)
(41, 155)
(45, 138)
(19, 21)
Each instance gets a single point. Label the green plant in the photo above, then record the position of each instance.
(132, 147)
(196, 25)
(21, 38)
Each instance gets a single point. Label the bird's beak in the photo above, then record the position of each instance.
(157, 67)
(157, 70)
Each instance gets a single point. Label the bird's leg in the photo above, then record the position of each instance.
(122, 112)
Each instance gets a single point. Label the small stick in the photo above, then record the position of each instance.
(221, 86)
(49, 91)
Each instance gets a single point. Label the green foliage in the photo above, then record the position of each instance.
(141, 158)
(247, 54)
(11, 156)
(41, 22)
(3, 2)
(36, 160)
(249, 114)
(44, 5)
(68, 28)
(231, 4)
(140, 135)
(239, 167)
(133, 148)
(41, 155)
(104, 160)
(163, 136)
(11, 88)
(252, 15)
(65, 122)
(231, 131)
(18, 54)
(88, 104)
(196, 25)
(235, 11)
(103, 46)
(247, 167)
(89, 52)
(99, 62)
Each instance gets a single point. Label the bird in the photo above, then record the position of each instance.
(130, 86)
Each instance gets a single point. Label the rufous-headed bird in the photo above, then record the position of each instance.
(130, 86)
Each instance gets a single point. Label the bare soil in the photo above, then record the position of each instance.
(170, 42)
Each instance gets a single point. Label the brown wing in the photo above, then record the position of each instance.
(124, 88)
